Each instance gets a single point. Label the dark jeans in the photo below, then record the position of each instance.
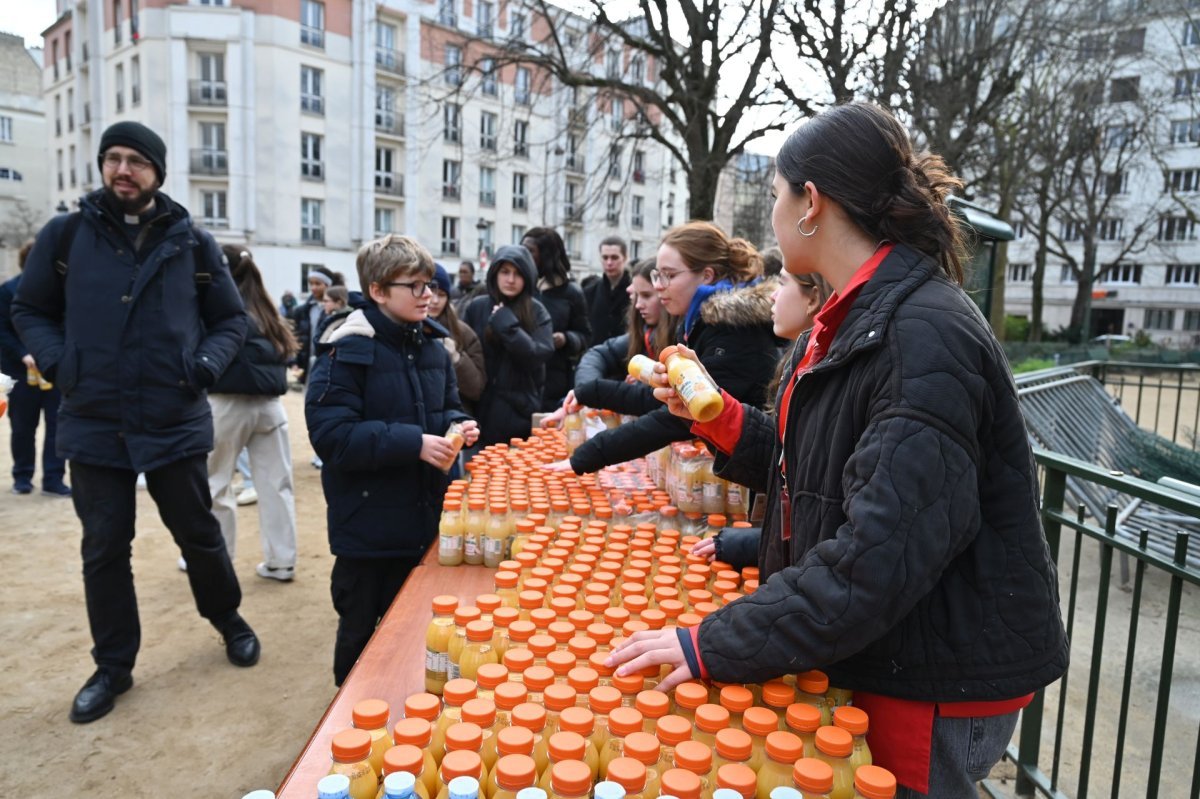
(105, 501)
(962, 752)
(26, 404)
(363, 590)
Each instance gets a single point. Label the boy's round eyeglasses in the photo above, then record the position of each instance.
(417, 287)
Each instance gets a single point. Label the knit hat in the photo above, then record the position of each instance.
(136, 136)
(441, 278)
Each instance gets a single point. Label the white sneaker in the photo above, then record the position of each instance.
(247, 496)
(283, 574)
(182, 564)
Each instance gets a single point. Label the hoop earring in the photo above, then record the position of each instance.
(800, 229)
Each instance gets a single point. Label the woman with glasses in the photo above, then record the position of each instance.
(902, 551)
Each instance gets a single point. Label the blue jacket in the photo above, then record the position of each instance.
(11, 348)
(371, 397)
(132, 337)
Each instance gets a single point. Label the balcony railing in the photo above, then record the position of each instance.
(391, 183)
(312, 103)
(636, 221)
(575, 163)
(520, 202)
(450, 191)
(207, 92)
(487, 198)
(313, 37)
(219, 223)
(209, 162)
(389, 60)
(449, 247)
(313, 170)
(573, 213)
(312, 235)
(389, 123)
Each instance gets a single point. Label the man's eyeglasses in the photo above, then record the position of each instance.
(417, 287)
(135, 162)
(663, 279)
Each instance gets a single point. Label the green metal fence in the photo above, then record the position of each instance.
(1123, 721)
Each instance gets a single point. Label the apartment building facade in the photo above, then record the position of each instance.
(304, 128)
(24, 187)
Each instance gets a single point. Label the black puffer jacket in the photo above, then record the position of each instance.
(916, 567)
(608, 306)
(734, 341)
(257, 370)
(568, 314)
(600, 380)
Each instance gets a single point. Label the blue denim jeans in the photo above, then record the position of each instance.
(962, 753)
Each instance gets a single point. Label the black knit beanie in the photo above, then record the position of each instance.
(136, 136)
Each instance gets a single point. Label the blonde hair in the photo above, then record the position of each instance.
(703, 244)
(382, 260)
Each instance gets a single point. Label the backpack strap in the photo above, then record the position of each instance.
(62, 253)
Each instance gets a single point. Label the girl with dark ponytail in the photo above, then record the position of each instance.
(902, 551)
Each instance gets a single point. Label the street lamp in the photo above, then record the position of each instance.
(61, 207)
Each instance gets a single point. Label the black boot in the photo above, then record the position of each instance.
(95, 699)
(241, 644)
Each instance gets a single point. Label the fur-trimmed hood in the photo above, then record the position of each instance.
(744, 306)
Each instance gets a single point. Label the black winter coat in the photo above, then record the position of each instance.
(734, 341)
(608, 307)
(372, 395)
(568, 315)
(916, 565)
(600, 380)
(12, 350)
(129, 336)
(257, 370)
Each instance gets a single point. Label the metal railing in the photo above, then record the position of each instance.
(1162, 398)
(209, 162)
(389, 183)
(208, 92)
(1116, 720)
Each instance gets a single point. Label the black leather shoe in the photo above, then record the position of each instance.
(241, 644)
(95, 699)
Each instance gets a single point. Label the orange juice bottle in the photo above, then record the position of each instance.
(630, 686)
(804, 720)
(503, 618)
(873, 782)
(512, 741)
(695, 388)
(602, 700)
(561, 662)
(854, 721)
(467, 737)
(459, 764)
(697, 758)
(537, 679)
(582, 721)
(670, 731)
(570, 779)
(759, 722)
(372, 715)
(621, 722)
(573, 426)
(488, 678)
(473, 529)
(777, 695)
(644, 748)
(834, 746)
(733, 747)
(583, 679)
(736, 699)
(563, 746)
(630, 775)
(507, 696)
(482, 712)
(680, 783)
(533, 718)
(417, 733)
(428, 707)
(450, 534)
(437, 642)
(811, 687)
(640, 368)
(813, 778)
(710, 719)
(653, 705)
(478, 649)
(689, 696)
(463, 615)
(737, 777)
(455, 694)
(556, 698)
(410, 759)
(351, 752)
(783, 749)
(513, 774)
(506, 588)
(495, 534)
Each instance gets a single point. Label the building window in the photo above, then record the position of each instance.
(311, 165)
(54, 58)
(636, 218)
(312, 23)
(1092, 46)
(119, 83)
(487, 76)
(386, 179)
(639, 166)
(1185, 131)
(384, 221)
(446, 15)
(1191, 321)
(212, 157)
(487, 186)
(573, 209)
(1187, 81)
(70, 110)
(521, 88)
(520, 187)
(1109, 230)
(453, 65)
(312, 229)
(635, 250)
(1160, 319)
(10, 174)
(58, 115)
(671, 209)
(1183, 181)
(116, 22)
(210, 89)
(1118, 136)
(1123, 90)
(612, 209)
(385, 47)
(67, 50)
(487, 131)
(518, 232)
(521, 138)
(1124, 273)
(1176, 228)
(1191, 33)
(637, 69)
(451, 179)
(617, 116)
(450, 235)
(135, 81)
(612, 69)
(59, 171)
(71, 165)
(1183, 275)
(386, 118)
(213, 209)
(485, 19)
(1114, 183)
(6, 128)
(1129, 42)
(311, 83)
(516, 25)
(452, 122)
(614, 161)
(1018, 273)
(1072, 230)
(485, 229)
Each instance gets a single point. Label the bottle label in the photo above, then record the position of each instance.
(435, 662)
(449, 544)
(453, 672)
(471, 546)
(712, 491)
(690, 386)
(493, 547)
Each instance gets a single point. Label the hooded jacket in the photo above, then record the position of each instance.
(731, 333)
(915, 564)
(569, 316)
(600, 380)
(515, 357)
(129, 335)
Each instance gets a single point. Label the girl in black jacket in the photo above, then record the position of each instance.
(568, 311)
(902, 551)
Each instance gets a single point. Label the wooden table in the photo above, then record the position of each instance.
(391, 667)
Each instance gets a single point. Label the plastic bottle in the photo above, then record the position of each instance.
(478, 649)
(556, 698)
(811, 687)
(463, 788)
(399, 785)
(777, 695)
(608, 790)
(728, 793)
(495, 534)
(455, 694)
(759, 722)
(582, 721)
(699, 393)
(437, 643)
(783, 750)
(511, 741)
(670, 731)
(812, 778)
(467, 737)
(710, 719)
(417, 734)
(532, 793)
(372, 715)
(688, 697)
(333, 786)
(736, 699)
(482, 712)
(804, 720)
(602, 700)
(854, 721)
(736, 777)
(653, 705)
(680, 783)
(456, 765)
(564, 746)
(506, 588)
(630, 774)
(351, 752)
(570, 779)
(576, 433)
(507, 696)
(697, 758)
(733, 747)
(428, 707)
(621, 722)
(785, 792)
(473, 532)
(873, 782)
(463, 615)
(533, 718)
(513, 774)
(641, 368)
(450, 534)
(834, 746)
(644, 748)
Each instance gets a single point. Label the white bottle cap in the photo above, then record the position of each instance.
(464, 788)
(609, 790)
(261, 793)
(784, 792)
(334, 786)
(531, 793)
(726, 793)
(399, 785)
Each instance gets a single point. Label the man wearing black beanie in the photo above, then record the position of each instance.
(131, 311)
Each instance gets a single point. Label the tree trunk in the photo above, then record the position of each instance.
(1037, 290)
(702, 191)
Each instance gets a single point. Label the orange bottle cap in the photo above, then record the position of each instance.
(802, 717)
(445, 604)
(597, 602)
(691, 695)
(561, 662)
(760, 721)
(642, 746)
(530, 599)
(655, 618)
(680, 783)
(604, 699)
(653, 704)
(716, 520)
(567, 746)
(712, 718)
(561, 605)
(541, 645)
(542, 617)
(630, 774)
(562, 631)
(736, 698)
(579, 720)
(479, 711)
(571, 778)
(734, 744)
(491, 675)
(503, 617)
(666, 353)
(851, 719)
(514, 772)
(371, 714)
(737, 777)
(465, 614)
(785, 747)
(537, 678)
(633, 626)
(629, 684)
(693, 756)
(689, 620)
(815, 776)
(521, 630)
(672, 607)
(464, 735)
(624, 720)
(832, 741)
(517, 660)
(351, 745)
(514, 741)
(581, 619)
(581, 647)
(457, 691)
(558, 696)
(596, 662)
(510, 694)
(529, 716)
(404, 757)
(778, 694)
(873, 782)
(461, 763)
(506, 579)
(812, 682)
(487, 603)
(616, 616)
(422, 706)
(412, 731)
(479, 631)
(583, 679)
(673, 730)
